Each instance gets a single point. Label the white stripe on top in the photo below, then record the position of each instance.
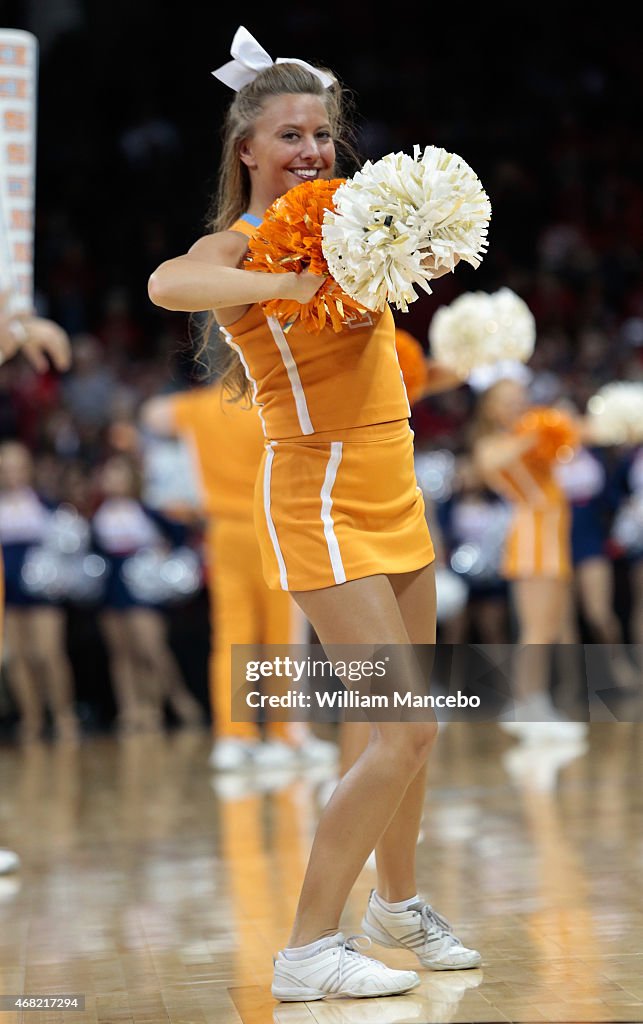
(232, 343)
(339, 572)
(293, 375)
(267, 479)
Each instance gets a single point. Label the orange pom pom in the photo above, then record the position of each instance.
(290, 239)
(412, 363)
(558, 434)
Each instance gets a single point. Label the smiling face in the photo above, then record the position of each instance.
(291, 142)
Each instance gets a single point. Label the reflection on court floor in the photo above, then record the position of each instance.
(160, 891)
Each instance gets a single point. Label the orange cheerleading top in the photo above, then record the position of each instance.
(307, 384)
(229, 444)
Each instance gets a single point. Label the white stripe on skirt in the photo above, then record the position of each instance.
(327, 503)
(267, 478)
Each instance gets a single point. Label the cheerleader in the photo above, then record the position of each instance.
(626, 497)
(44, 344)
(584, 480)
(537, 554)
(227, 442)
(144, 671)
(473, 515)
(39, 670)
(338, 513)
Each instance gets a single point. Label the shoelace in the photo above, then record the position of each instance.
(351, 948)
(432, 917)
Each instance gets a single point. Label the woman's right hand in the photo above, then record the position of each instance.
(299, 287)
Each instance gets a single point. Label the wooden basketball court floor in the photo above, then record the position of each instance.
(161, 896)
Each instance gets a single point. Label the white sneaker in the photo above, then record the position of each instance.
(546, 732)
(9, 862)
(231, 755)
(340, 970)
(537, 720)
(274, 754)
(422, 931)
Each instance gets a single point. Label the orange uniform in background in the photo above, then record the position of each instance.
(228, 445)
(538, 541)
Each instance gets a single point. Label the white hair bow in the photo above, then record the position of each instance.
(250, 58)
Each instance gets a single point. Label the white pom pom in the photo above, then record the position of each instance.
(615, 413)
(394, 213)
(481, 329)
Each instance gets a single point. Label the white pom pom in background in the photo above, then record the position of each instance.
(615, 413)
(480, 329)
(393, 213)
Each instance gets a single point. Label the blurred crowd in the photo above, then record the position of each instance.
(123, 183)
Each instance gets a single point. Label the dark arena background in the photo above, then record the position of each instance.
(147, 880)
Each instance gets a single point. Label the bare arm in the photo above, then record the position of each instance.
(588, 431)
(209, 277)
(440, 378)
(493, 453)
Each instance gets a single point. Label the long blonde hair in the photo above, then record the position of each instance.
(232, 197)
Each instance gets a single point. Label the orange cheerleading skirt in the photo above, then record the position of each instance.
(340, 505)
(538, 543)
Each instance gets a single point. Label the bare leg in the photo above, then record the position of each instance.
(165, 679)
(22, 681)
(152, 680)
(596, 592)
(49, 645)
(567, 663)
(541, 607)
(115, 628)
(353, 740)
(636, 621)
(490, 616)
(395, 853)
(456, 629)
(366, 799)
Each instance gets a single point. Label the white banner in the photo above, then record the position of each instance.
(18, 77)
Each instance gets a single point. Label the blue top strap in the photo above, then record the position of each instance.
(250, 217)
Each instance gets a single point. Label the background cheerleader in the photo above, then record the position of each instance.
(145, 672)
(585, 482)
(626, 496)
(537, 555)
(40, 673)
(227, 442)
